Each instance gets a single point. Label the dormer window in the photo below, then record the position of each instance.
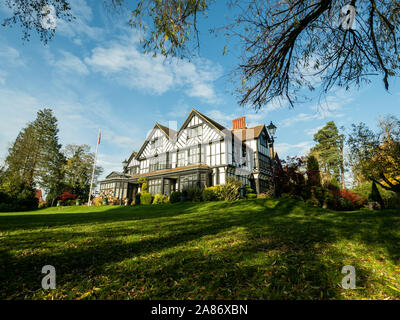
(194, 132)
(155, 143)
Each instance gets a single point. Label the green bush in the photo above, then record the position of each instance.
(184, 196)
(208, 194)
(194, 194)
(144, 187)
(312, 202)
(160, 199)
(231, 189)
(43, 205)
(18, 197)
(175, 197)
(389, 198)
(145, 198)
(251, 195)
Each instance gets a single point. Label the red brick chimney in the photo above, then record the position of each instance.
(239, 123)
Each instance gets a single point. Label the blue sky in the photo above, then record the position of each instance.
(94, 75)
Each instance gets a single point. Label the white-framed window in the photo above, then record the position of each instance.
(195, 131)
(181, 158)
(155, 186)
(194, 155)
(156, 143)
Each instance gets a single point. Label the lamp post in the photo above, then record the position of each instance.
(272, 130)
(125, 166)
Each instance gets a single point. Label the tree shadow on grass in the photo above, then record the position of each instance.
(281, 253)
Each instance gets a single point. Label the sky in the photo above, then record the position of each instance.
(93, 75)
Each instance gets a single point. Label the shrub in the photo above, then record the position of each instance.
(312, 202)
(375, 195)
(144, 184)
(208, 194)
(184, 196)
(248, 189)
(145, 198)
(160, 199)
(389, 198)
(354, 201)
(175, 197)
(165, 199)
(231, 189)
(269, 194)
(18, 198)
(43, 205)
(195, 194)
(251, 196)
(67, 195)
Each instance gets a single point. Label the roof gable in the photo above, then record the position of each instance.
(169, 133)
(209, 121)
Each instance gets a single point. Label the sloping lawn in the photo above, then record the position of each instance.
(251, 249)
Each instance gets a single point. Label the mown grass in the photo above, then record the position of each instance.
(251, 249)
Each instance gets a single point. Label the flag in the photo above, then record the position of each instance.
(98, 141)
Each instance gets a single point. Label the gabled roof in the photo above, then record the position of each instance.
(116, 174)
(133, 155)
(249, 133)
(169, 133)
(214, 124)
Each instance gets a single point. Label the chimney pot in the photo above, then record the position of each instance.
(239, 123)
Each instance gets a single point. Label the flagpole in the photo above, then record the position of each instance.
(94, 168)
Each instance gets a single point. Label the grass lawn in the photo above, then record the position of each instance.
(250, 249)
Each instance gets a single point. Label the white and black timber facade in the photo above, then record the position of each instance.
(201, 153)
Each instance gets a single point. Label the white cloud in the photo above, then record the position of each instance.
(10, 55)
(69, 63)
(123, 61)
(3, 75)
(80, 26)
(17, 108)
(313, 131)
(77, 122)
(286, 149)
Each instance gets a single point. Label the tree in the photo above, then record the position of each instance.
(313, 173)
(78, 169)
(377, 155)
(375, 195)
(292, 180)
(329, 151)
(286, 45)
(51, 160)
(34, 158)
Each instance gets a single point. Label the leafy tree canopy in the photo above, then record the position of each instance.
(286, 45)
(377, 155)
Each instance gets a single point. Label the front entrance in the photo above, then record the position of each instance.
(169, 186)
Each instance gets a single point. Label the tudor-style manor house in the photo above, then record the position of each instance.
(202, 153)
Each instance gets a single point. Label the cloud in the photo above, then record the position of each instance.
(77, 122)
(3, 75)
(10, 56)
(123, 62)
(69, 63)
(285, 149)
(17, 108)
(313, 131)
(80, 26)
